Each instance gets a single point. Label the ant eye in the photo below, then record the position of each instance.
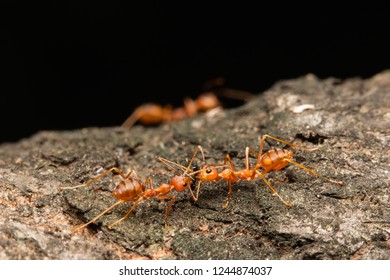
(184, 184)
(208, 171)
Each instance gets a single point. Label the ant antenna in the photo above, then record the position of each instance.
(170, 164)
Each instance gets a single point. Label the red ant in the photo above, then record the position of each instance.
(131, 188)
(151, 114)
(272, 160)
(170, 164)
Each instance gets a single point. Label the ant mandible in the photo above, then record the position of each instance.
(152, 114)
(131, 188)
(272, 160)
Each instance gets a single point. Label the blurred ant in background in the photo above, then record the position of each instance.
(154, 114)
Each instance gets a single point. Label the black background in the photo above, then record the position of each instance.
(73, 64)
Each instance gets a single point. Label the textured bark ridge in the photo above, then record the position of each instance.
(348, 122)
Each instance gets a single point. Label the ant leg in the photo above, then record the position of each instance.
(198, 148)
(195, 197)
(234, 178)
(133, 118)
(274, 192)
(229, 159)
(98, 216)
(197, 190)
(150, 181)
(259, 154)
(172, 198)
(290, 144)
(225, 205)
(247, 165)
(114, 169)
(313, 172)
(252, 151)
(279, 140)
(127, 214)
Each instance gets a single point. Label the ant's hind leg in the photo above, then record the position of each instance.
(289, 143)
(274, 192)
(313, 172)
(278, 140)
(127, 214)
(98, 216)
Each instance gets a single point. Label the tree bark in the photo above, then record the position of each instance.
(346, 123)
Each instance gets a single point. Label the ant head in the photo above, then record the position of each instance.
(181, 182)
(208, 173)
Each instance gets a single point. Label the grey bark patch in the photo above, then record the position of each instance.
(347, 121)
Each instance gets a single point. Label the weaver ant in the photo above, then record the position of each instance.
(272, 160)
(152, 114)
(170, 164)
(131, 188)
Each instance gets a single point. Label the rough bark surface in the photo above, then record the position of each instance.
(349, 125)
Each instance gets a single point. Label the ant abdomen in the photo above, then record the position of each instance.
(275, 159)
(129, 189)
